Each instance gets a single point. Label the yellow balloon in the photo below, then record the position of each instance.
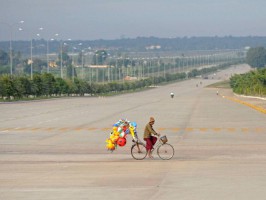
(112, 137)
(113, 140)
(110, 146)
(116, 133)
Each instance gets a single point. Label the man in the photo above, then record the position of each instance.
(172, 95)
(150, 140)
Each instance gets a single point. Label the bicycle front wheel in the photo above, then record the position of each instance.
(138, 151)
(165, 151)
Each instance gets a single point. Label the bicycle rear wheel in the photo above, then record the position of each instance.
(165, 151)
(138, 151)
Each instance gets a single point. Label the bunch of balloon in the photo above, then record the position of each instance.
(118, 135)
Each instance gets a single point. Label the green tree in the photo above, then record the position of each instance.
(48, 84)
(3, 57)
(61, 86)
(38, 65)
(256, 57)
(66, 59)
(37, 85)
(100, 57)
(7, 86)
(71, 70)
(27, 85)
(252, 83)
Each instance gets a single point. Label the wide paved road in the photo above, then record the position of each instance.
(55, 149)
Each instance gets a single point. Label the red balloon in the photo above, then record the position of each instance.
(124, 128)
(121, 142)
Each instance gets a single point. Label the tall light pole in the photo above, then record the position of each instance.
(72, 63)
(31, 61)
(10, 26)
(72, 57)
(47, 54)
(31, 54)
(61, 59)
(82, 70)
(47, 51)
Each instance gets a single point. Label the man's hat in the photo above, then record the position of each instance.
(152, 119)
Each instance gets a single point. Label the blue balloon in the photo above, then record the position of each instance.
(133, 124)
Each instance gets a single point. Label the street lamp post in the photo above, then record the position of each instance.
(82, 61)
(10, 26)
(31, 59)
(47, 51)
(61, 59)
(72, 58)
(31, 54)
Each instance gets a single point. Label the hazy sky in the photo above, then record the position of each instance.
(113, 19)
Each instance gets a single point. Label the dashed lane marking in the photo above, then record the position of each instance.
(245, 130)
(63, 129)
(91, 129)
(231, 129)
(259, 130)
(189, 129)
(175, 129)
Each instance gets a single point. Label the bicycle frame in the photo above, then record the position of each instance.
(138, 154)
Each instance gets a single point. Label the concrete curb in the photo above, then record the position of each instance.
(251, 97)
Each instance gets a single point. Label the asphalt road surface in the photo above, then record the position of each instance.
(55, 149)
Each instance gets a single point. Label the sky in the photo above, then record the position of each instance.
(115, 19)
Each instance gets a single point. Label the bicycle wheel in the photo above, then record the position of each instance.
(138, 153)
(165, 151)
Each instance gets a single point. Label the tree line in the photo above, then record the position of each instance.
(47, 85)
(251, 84)
(256, 57)
(254, 82)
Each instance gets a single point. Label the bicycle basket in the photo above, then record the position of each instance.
(164, 139)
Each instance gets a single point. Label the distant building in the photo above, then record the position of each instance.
(99, 66)
(130, 78)
(152, 47)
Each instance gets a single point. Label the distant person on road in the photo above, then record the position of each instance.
(172, 95)
(148, 136)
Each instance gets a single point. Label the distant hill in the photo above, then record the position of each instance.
(141, 44)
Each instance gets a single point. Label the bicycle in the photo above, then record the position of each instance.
(164, 150)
